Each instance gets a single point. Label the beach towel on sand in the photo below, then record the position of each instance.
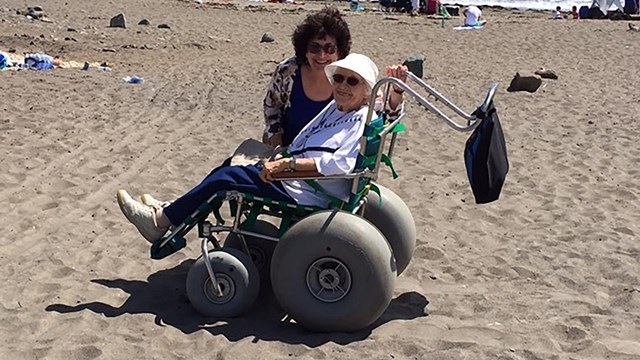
(467, 27)
(485, 157)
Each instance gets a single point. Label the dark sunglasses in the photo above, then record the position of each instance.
(328, 48)
(351, 81)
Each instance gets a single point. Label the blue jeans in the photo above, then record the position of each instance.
(245, 179)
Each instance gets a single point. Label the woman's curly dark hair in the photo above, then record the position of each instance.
(327, 21)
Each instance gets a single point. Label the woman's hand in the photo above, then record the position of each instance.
(397, 71)
(270, 168)
(275, 140)
(396, 95)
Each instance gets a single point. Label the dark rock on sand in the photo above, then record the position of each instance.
(546, 74)
(164, 26)
(144, 22)
(35, 12)
(118, 21)
(267, 37)
(414, 63)
(529, 83)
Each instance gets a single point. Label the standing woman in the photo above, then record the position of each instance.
(299, 88)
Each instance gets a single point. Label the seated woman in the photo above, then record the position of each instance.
(472, 16)
(328, 145)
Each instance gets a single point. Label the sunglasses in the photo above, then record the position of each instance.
(328, 48)
(351, 81)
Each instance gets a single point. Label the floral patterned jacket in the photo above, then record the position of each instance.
(276, 101)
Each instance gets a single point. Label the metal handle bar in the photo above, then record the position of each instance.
(472, 120)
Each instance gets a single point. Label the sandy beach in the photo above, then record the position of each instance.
(550, 271)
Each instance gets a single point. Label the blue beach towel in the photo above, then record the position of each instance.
(355, 7)
(38, 61)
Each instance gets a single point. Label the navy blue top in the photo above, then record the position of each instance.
(301, 112)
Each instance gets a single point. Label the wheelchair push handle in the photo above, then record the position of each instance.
(472, 121)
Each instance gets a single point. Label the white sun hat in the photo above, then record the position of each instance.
(357, 63)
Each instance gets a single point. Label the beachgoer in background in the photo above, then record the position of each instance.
(574, 13)
(415, 7)
(631, 7)
(299, 89)
(557, 13)
(339, 127)
(473, 16)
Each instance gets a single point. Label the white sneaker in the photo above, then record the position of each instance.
(140, 215)
(147, 199)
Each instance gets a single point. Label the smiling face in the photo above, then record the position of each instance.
(322, 52)
(348, 94)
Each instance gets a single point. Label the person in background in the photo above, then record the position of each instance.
(574, 13)
(630, 7)
(557, 13)
(472, 16)
(415, 7)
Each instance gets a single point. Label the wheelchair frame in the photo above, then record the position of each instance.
(206, 230)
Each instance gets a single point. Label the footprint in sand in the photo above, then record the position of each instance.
(86, 352)
(61, 185)
(104, 169)
(62, 272)
(49, 206)
(428, 252)
(524, 272)
(570, 338)
(624, 230)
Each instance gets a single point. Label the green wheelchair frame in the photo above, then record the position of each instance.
(370, 159)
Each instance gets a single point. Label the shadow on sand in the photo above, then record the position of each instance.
(164, 296)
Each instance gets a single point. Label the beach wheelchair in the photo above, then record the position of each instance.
(331, 269)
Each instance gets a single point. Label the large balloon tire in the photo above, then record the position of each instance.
(396, 223)
(333, 271)
(237, 276)
(260, 250)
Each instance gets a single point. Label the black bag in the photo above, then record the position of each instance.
(485, 157)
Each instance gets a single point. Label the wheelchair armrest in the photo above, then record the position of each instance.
(297, 175)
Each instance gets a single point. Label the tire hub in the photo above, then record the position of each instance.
(328, 279)
(227, 287)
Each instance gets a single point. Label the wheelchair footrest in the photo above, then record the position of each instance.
(169, 248)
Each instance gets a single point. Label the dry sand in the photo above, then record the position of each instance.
(550, 271)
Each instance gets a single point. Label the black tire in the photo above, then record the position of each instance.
(333, 271)
(260, 250)
(396, 223)
(238, 278)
